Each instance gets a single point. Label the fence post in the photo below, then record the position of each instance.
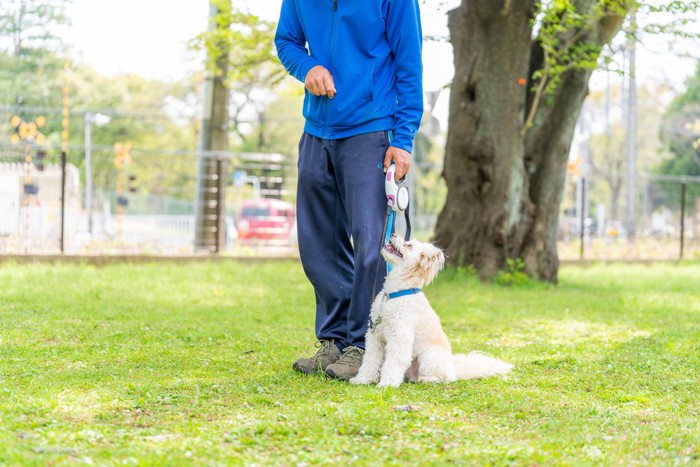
(582, 210)
(63, 201)
(219, 206)
(682, 219)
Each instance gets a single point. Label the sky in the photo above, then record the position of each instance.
(149, 38)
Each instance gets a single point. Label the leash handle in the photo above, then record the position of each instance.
(398, 199)
(397, 195)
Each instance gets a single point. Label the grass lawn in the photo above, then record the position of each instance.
(163, 364)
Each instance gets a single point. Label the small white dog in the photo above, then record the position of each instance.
(405, 339)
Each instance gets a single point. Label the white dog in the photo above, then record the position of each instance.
(405, 339)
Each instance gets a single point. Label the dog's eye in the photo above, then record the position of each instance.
(409, 246)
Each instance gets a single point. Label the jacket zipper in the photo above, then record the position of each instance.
(335, 20)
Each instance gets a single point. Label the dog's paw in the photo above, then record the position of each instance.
(358, 380)
(389, 383)
(429, 379)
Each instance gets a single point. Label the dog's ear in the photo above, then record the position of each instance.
(432, 260)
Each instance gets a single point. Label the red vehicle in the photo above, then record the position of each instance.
(265, 219)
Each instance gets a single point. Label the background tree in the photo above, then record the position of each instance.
(253, 74)
(28, 25)
(606, 142)
(30, 51)
(521, 75)
(139, 115)
(681, 134)
(281, 125)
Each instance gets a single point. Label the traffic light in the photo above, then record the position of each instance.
(40, 158)
(132, 183)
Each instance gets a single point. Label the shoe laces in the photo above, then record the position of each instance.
(351, 355)
(324, 347)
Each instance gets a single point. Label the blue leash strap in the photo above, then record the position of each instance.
(390, 224)
(389, 228)
(386, 234)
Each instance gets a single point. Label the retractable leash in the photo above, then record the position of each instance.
(398, 199)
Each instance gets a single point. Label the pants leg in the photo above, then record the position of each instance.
(358, 163)
(324, 239)
(340, 215)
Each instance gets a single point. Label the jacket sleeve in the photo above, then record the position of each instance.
(406, 40)
(291, 43)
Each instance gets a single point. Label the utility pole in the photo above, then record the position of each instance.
(88, 170)
(213, 137)
(631, 123)
(99, 120)
(64, 151)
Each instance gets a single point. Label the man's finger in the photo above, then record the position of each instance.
(402, 160)
(387, 161)
(311, 86)
(329, 85)
(400, 172)
(320, 87)
(405, 166)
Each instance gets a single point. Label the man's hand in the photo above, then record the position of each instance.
(319, 82)
(402, 160)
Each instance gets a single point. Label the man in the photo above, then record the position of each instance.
(360, 61)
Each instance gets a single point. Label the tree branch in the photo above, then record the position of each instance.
(506, 8)
(536, 99)
(597, 32)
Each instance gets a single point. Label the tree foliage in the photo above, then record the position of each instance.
(29, 50)
(28, 24)
(681, 134)
(252, 70)
(32, 81)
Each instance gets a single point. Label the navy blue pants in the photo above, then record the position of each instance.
(341, 208)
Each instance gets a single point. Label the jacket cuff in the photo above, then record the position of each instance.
(305, 67)
(402, 142)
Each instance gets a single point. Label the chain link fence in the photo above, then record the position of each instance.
(146, 206)
(143, 203)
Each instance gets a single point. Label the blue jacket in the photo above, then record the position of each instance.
(372, 48)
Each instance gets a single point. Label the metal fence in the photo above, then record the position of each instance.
(146, 206)
(660, 221)
(143, 203)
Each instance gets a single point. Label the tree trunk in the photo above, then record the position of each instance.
(615, 201)
(505, 182)
(487, 212)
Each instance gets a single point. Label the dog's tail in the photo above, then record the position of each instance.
(477, 365)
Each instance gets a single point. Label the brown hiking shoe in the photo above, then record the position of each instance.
(327, 353)
(348, 365)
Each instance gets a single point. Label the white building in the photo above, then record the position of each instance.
(32, 222)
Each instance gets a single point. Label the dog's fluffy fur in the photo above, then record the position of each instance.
(405, 339)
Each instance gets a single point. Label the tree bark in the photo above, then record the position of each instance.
(505, 181)
(487, 211)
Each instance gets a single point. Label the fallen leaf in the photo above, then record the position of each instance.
(405, 408)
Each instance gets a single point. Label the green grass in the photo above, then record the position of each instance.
(191, 364)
